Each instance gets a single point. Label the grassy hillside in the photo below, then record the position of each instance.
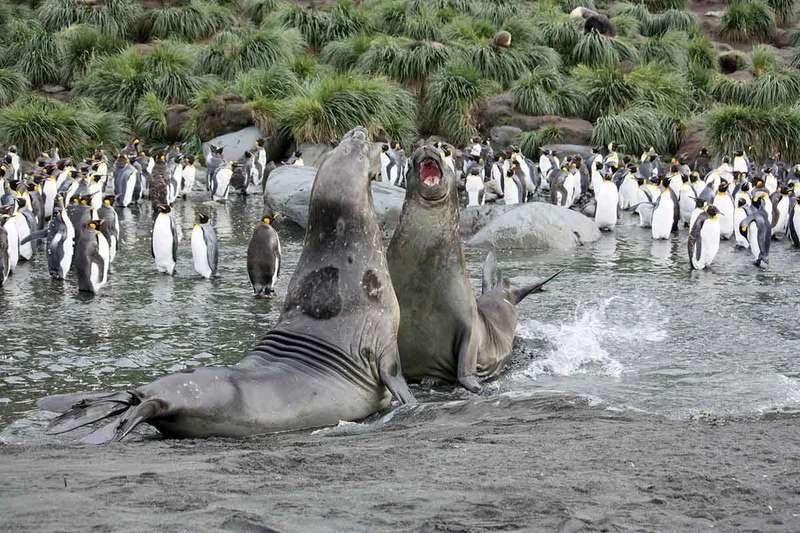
(401, 67)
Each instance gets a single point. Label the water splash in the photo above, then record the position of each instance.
(583, 345)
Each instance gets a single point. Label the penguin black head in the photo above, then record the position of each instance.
(397, 146)
(190, 159)
(164, 209)
(639, 180)
(95, 224)
(608, 176)
(474, 171)
(21, 202)
(218, 151)
(741, 202)
(260, 142)
(12, 149)
(109, 199)
(384, 148)
(723, 186)
(446, 151)
(626, 160)
(266, 219)
(704, 151)
(712, 211)
(85, 200)
(612, 146)
(758, 199)
(684, 178)
(674, 168)
(297, 153)
(694, 176)
(738, 153)
(161, 156)
(726, 159)
(202, 218)
(7, 159)
(699, 203)
(96, 178)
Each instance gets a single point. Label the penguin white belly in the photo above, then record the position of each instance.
(675, 184)
(767, 203)
(98, 276)
(13, 243)
(223, 179)
(594, 183)
(130, 184)
(60, 243)
(50, 192)
(605, 215)
(629, 193)
(739, 164)
(511, 192)
(783, 217)
(112, 247)
(497, 175)
(662, 218)
(698, 187)
(752, 238)
(62, 177)
(795, 222)
(570, 185)
(645, 212)
(188, 174)
(738, 216)
(277, 264)
(544, 164)
(200, 253)
(771, 183)
(726, 222)
(97, 196)
(686, 203)
(709, 236)
(162, 244)
(474, 190)
(23, 230)
(386, 172)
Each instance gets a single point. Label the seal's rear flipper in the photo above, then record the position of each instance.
(61, 403)
(119, 428)
(492, 277)
(88, 411)
(520, 293)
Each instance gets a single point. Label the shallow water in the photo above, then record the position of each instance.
(627, 326)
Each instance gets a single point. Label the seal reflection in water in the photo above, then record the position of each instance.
(445, 332)
(332, 356)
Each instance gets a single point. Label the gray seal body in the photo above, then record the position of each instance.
(332, 356)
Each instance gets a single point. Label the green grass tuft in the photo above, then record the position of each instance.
(701, 54)
(595, 50)
(671, 49)
(762, 58)
(765, 130)
(785, 11)
(411, 64)
(657, 6)
(636, 127)
(548, 92)
(748, 20)
(116, 82)
(191, 22)
(451, 102)
(669, 21)
(82, 44)
(35, 52)
(258, 10)
(13, 85)
(530, 141)
(236, 52)
(151, 118)
(276, 83)
(115, 18)
(344, 55)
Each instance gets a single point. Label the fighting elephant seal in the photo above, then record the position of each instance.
(331, 357)
(445, 333)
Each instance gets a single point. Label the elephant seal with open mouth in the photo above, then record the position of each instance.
(332, 356)
(445, 332)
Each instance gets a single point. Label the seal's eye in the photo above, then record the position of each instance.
(429, 173)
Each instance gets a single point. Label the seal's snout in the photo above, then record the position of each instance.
(429, 173)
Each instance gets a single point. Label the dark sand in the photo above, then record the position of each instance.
(494, 464)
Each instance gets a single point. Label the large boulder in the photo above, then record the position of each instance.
(694, 141)
(177, 116)
(223, 114)
(536, 225)
(503, 136)
(473, 219)
(234, 144)
(288, 191)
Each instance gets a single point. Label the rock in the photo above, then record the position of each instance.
(503, 136)
(741, 75)
(313, 153)
(288, 191)
(730, 62)
(473, 219)
(599, 23)
(223, 114)
(56, 92)
(177, 116)
(536, 225)
(499, 111)
(693, 141)
(234, 144)
(781, 39)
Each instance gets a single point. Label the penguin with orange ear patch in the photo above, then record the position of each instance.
(264, 258)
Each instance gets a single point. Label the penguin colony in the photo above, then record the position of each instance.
(69, 207)
(732, 200)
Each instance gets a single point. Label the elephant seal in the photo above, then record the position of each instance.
(331, 356)
(445, 333)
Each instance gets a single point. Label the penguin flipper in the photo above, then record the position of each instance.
(36, 235)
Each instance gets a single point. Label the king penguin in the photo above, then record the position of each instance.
(222, 181)
(390, 167)
(703, 241)
(780, 211)
(205, 253)
(794, 221)
(607, 196)
(724, 204)
(686, 198)
(92, 259)
(159, 183)
(757, 229)
(110, 227)
(740, 214)
(49, 191)
(23, 218)
(474, 186)
(5, 260)
(165, 240)
(60, 243)
(264, 258)
(665, 213)
(10, 227)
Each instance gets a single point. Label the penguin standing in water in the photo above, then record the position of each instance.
(10, 227)
(26, 224)
(165, 240)
(474, 186)
(175, 174)
(5, 260)
(125, 181)
(264, 258)
(686, 197)
(222, 181)
(724, 204)
(780, 211)
(666, 213)
(793, 226)
(628, 187)
(390, 166)
(110, 227)
(188, 175)
(757, 229)
(92, 259)
(607, 196)
(49, 191)
(80, 213)
(260, 160)
(213, 162)
(703, 241)
(205, 253)
(740, 214)
(249, 170)
(159, 182)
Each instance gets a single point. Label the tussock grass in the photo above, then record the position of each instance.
(115, 18)
(35, 52)
(765, 130)
(234, 52)
(451, 102)
(748, 20)
(151, 118)
(191, 22)
(548, 92)
(13, 85)
(275, 83)
(530, 141)
(636, 127)
(81, 45)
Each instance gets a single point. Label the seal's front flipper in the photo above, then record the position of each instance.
(520, 293)
(392, 377)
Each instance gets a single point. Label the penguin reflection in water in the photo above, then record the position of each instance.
(205, 253)
(264, 258)
(165, 240)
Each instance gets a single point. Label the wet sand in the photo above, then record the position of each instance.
(495, 464)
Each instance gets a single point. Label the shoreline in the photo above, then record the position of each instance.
(490, 466)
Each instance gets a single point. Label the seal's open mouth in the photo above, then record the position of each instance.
(429, 173)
